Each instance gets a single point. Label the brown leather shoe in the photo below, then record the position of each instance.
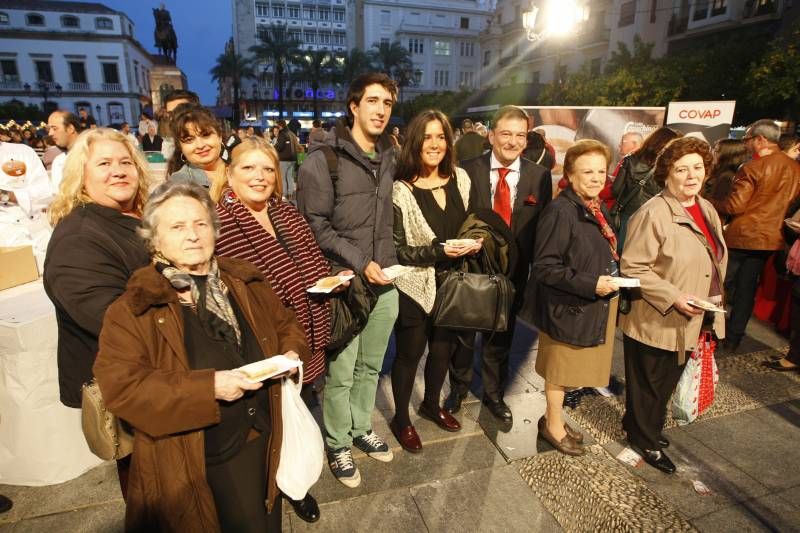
(566, 445)
(407, 437)
(442, 418)
(576, 435)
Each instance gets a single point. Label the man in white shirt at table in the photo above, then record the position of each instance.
(64, 128)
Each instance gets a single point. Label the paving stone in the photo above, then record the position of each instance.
(755, 441)
(393, 510)
(791, 495)
(488, 500)
(103, 518)
(99, 485)
(695, 461)
(769, 513)
(437, 461)
(595, 492)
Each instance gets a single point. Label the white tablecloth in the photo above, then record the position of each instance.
(41, 442)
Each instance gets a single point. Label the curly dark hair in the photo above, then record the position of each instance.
(676, 149)
(199, 117)
(409, 162)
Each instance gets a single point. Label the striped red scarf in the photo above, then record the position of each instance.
(291, 264)
(594, 208)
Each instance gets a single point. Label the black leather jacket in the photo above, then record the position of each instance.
(422, 256)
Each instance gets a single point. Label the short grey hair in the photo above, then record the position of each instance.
(766, 128)
(174, 189)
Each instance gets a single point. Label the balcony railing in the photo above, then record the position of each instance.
(112, 87)
(79, 86)
(10, 84)
(594, 36)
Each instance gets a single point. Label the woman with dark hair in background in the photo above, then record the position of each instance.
(198, 147)
(789, 144)
(431, 199)
(729, 155)
(634, 184)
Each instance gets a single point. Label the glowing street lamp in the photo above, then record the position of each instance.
(560, 18)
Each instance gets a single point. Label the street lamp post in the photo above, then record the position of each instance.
(97, 108)
(560, 18)
(44, 90)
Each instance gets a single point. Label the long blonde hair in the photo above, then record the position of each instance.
(248, 145)
(71, 191)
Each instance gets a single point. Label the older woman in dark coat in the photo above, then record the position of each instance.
(573, 294)
(207, 441)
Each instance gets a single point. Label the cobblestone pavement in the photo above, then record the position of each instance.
(491, 477)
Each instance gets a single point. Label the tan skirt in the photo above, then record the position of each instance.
(568, 365)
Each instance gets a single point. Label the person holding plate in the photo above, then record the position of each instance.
(431, 200)
(206, 440)
(258, 225)
(675, 248)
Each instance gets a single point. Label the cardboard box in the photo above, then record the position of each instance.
(17, 266)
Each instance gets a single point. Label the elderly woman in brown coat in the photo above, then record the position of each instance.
(207, 441)
(675, 248)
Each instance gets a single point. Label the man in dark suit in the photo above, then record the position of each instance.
(517, 190)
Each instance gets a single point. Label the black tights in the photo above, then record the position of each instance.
(413, 331)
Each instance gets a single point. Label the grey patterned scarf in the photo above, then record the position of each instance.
(210, 295)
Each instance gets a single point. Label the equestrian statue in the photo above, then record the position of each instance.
(166, 41)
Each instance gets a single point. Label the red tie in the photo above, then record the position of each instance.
(502, 196)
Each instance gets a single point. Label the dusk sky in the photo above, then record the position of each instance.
(202, 27)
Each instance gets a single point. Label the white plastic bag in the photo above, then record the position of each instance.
(695, 391)
(302, 448)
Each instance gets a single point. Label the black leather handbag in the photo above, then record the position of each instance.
(473, 301)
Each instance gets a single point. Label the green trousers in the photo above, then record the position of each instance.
(352, 378)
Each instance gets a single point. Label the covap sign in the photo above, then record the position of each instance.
(701, 113)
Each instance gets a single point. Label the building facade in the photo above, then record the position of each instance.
(509, 58)
(317, 25)
(442, 38)
(70, 55)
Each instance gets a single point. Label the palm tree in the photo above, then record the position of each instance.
(278, 50)
(232, 66)
(350, 66)
(315, 66)
(395, 60)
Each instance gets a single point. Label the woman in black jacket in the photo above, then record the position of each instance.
(94, 248)
(634, 184)
(574, 295)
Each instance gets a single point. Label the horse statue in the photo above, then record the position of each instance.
(166, 41)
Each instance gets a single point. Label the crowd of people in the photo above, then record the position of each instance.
(162, 293)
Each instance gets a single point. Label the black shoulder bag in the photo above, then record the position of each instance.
(473, 301)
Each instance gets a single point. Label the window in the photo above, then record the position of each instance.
(386, 17)
(309, 13)
(338, 15)
(103, 23)
(295, 35)
(700, 10)
(309, 37)
(3, 18)
(441, 48)
(653, 9)
(324, 38)
(594, 66)
(277, 11)
(339, 39)
(324, 14)
(466, 78)
(294, 12)
(385, 40)
(44, 71)
(110, 73)
(719, 7)
(262, 10)
(77, 72)
(8, 69)
(467, 49)
(535, 77)
(418, 77)
(627, 13)
(440, 21)
(415, 46)
(464, 23)
(34, 19)
(69, 21)
(441, 78)
(487, 58)
(136, 72)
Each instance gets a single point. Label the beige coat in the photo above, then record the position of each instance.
(666, 250)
